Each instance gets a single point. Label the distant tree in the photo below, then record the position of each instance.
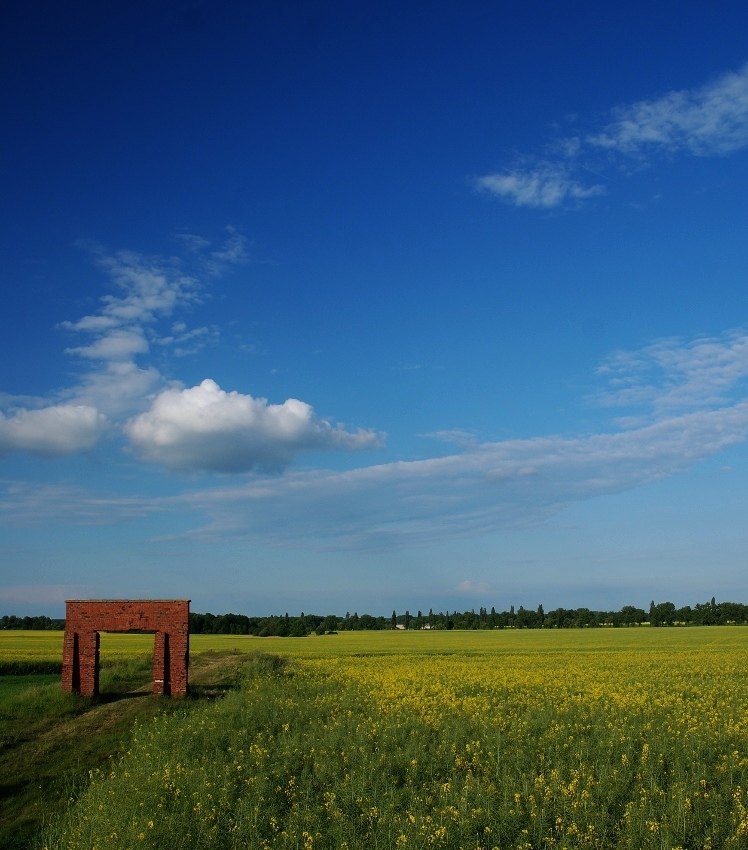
(298, 628)
(330, 623)
(282, 627)
(631, 616)
(684, 615)
(662, 614)
(654, 619)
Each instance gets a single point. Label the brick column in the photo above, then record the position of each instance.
(71, 670)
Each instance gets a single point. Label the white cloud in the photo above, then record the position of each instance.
(90, 323)
(695, 403)
(150, 290)
(696, 406)
(117, 345)
(205, 428)
(710, 120)
(544, 187)
(494, 487)
(120, 389)
(670, 375)
(184, 342)
(51, 431)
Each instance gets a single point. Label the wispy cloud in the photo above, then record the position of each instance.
(493, 487)
(694, 405)
(455, 435)
(216, 259)
(543, 186)
(711, 120)
(708, 121)
(671, 375)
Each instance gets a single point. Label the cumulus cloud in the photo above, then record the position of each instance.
(544, 187)
(710, 120)
(118, 388)
(492, 487)
(51, 431)
(207, 429)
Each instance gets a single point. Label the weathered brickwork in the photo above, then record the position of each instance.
(84, 619)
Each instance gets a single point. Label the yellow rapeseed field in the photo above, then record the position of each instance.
(632, 738)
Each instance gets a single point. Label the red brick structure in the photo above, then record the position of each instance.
(84, 619)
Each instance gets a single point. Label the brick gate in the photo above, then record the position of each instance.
(84, 619)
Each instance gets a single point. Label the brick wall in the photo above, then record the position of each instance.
(84, 619)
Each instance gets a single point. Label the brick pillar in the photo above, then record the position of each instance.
(89, 663)
(71, 670)
(161, 664)
(179, 654)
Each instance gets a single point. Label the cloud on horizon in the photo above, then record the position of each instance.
(711, 120)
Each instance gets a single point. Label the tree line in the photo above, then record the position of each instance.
(36, 624)
(710, 613)
(659, 614)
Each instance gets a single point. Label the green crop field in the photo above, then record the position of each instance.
(47, 646)
(621, 738)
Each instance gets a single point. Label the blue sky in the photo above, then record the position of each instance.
(335, 307)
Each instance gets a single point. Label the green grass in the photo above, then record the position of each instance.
(11, 685)
(49, 741)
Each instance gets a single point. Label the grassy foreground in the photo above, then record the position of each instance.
(49, 741)
(592, 739)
